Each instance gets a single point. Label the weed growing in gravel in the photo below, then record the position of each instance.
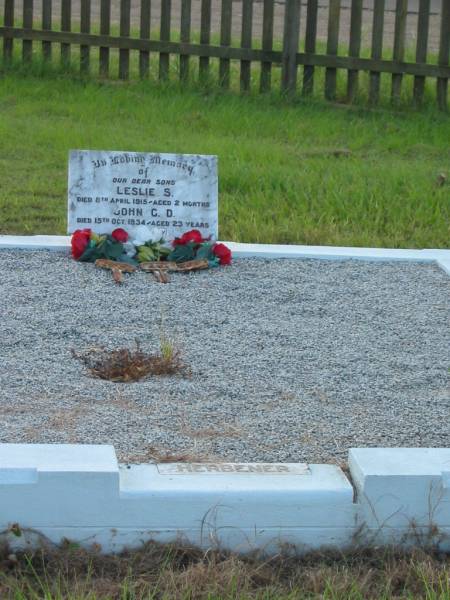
(125, 365)
(166, 345)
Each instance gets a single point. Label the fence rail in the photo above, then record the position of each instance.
(297, 46)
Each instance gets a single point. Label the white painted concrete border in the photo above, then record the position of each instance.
(441, 257)
(80, 492)
(49, 492)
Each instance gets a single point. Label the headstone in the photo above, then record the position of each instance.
(172, 193)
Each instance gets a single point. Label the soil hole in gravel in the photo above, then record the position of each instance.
(128, 365)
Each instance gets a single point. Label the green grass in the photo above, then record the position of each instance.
(179, 573)
(278, 182)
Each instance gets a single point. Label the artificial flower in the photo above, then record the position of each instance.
(223, 253)
(80, 241)
(194, 236)
(143, 234)
(129, 249)
(120, 235)
(147, 246)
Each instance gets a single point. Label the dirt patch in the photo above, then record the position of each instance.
(162, 455)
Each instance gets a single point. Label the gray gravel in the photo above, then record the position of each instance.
(291, 360)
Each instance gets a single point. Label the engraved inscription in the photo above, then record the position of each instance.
(171, 193)
(223, 468)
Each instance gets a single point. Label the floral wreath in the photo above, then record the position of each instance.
(148, 245)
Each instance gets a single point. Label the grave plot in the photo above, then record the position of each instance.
(287, 360)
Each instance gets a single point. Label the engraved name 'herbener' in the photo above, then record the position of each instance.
(262, 468)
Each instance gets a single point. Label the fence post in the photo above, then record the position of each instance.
(185, 37)
(105, 25)
(246, 42)
(144, 32)
(444, 50)
(27, 45)
(290, 45)
(225, 40)
(310, 45)
(421, 48)
(267, 44)
(332, 48)
(205, 38)
(66, 25)
(354, 47)
(47, 24)
(124, 53)
(85, 27)
(164, 36)
(9, 22)
(377, 49)
(401, 12)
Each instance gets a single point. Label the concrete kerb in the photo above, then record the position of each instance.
(441, 257)
(49, 492)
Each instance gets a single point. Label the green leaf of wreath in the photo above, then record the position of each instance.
(125, 258)
(91, 254)
(182, 253)
(214, 261)
(112, 250)
(205, 251)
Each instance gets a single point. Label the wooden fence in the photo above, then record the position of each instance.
(37, 31)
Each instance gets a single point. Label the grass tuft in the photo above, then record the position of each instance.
(126, 365)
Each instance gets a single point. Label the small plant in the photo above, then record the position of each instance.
(125, 365)
(166, 346)
(167, 349)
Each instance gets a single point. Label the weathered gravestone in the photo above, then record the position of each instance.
(170, 192)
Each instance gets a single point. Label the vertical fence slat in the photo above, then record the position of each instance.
(124, 53)
(354, 47)
(185, 36)
(267, 44)
(144, 32)
(66, 25)
(310, 44)
(47, 25)
(164, 57)
(377, 49)
(27, 45)
(8, 43)
(422, 47)
(85, 27)
(290, 45)
(225, 40)
(105, 28)
(444, 50)
(290, 41)
(332, 47)
(205, 36)
(246, 42)
(398, 54)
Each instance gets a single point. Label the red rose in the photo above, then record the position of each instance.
(120, 235)
(223, 253)
(190, 236)
(79, 242)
